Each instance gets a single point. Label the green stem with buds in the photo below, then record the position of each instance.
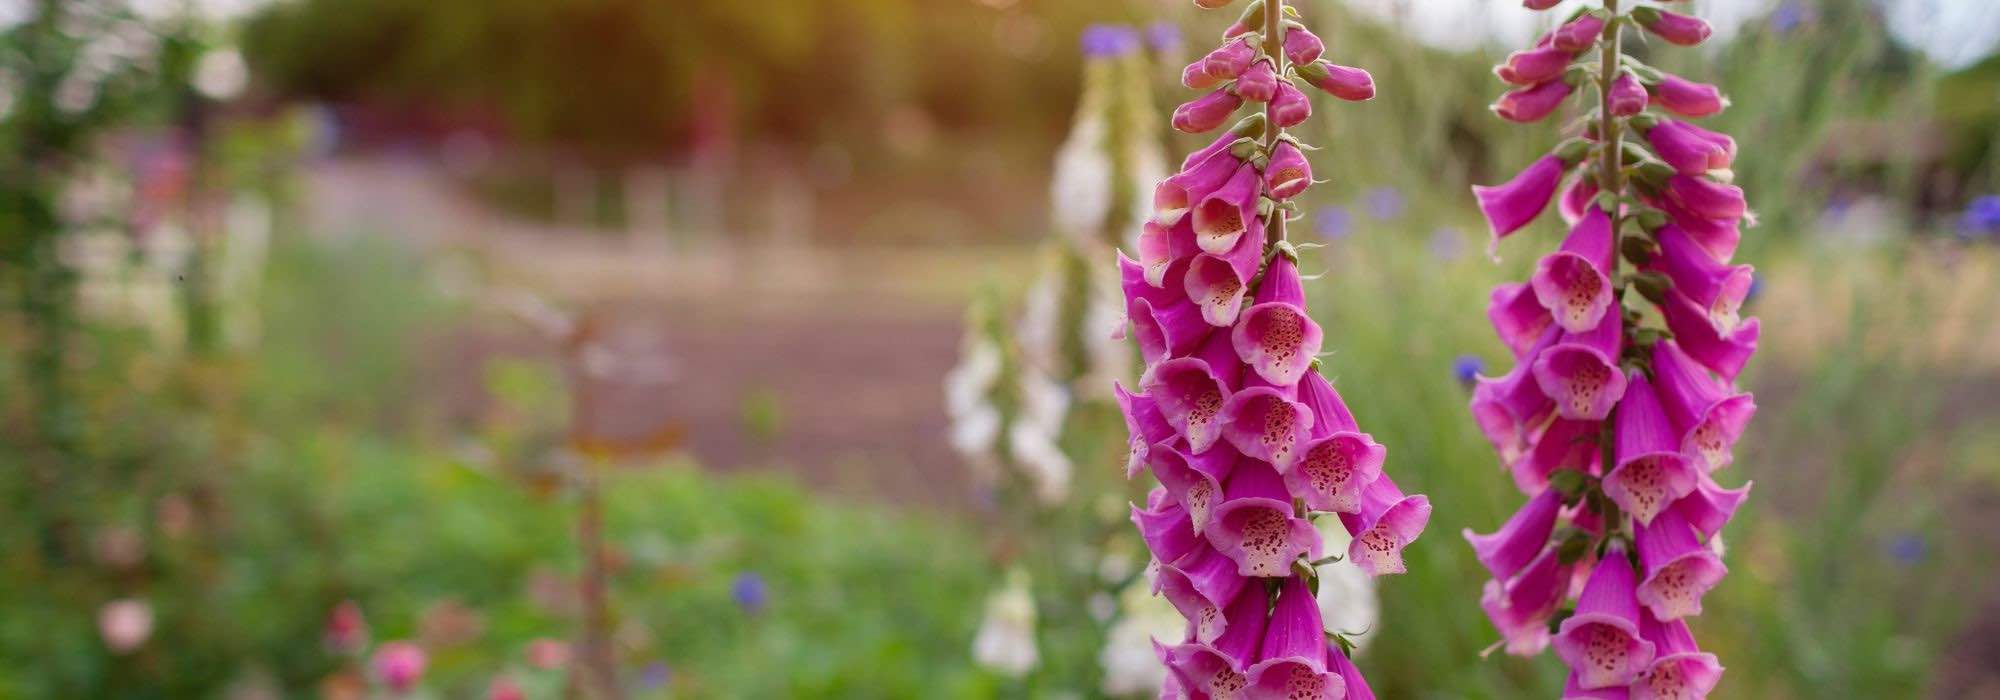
(1611, 188)
(1274, 47)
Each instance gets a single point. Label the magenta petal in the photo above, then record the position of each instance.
(1282, 284)
(1350, 676)
(1291, 107)
(1135, 281)
(1692, 150)
(1522, 606)
(1717, 236)
(1259, 83)
(1532, 104)
(1223, 216)
(1511, 205)
(1175, 195)
(1204, 575)
(1288, 173)
(1725, 351)
(1679, 569)
(1564, 444)
(1216, 286)
(1688, 98)
(1167, 330)
(1578, 34)
(1194, 482)
(1717, 287)
(1217, 669)
(1207, 112)
(1571, 282)
(1344, 82)
(1581, 373)
(1518, 316)
(1191, 398)
(1574, 690)
(1680, 670)
(1330, 414)
(1711, 506)
(1263, 424)
(1277, 340)
(1709, 415)
(1518, 541)
(1220, 354)
(1195, 76)
(1220, 144)
(1675, 28)
(1334, 470)
(1387, 522)
(1295, 631)
(1168, 533)
(1706, 198)
(1628, 97)
(1144, 425)
(1576, 198)
(1536, 65)
(1262, 536)
(1157, 249)
(1601, 642)
(1230, 60)
(1509, 408)
(1651, 473)
(1302, 46)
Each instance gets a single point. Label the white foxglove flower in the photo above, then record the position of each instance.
(1005, 643)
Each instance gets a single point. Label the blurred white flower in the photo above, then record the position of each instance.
(1041, 460)
(1005, 642)
(1080, 189)
(125, 624)
(221, 74)
(1130, 668)
(1347, 600)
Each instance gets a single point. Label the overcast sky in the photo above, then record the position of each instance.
(1954, 33)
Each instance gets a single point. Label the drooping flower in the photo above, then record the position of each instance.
(1533, 103)
(1260, 452)
(1510, 206)
(1674, 27)
(1601, 642)
(1005, 643)
(1688, 98)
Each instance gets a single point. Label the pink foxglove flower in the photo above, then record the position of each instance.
(1534, 66)
(1615, 427)
(399, 664)
(1255, 451)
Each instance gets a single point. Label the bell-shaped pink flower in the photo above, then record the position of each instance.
(1275, 337)
(1511, 205)
(1166, 528)
(1387, 522)
(1576, 199)
(1205, 113)
(399, 665)
(1196, 76)
(1717, 348)
(1161, 247)
(1706, 198)
(1562, 444)
(1264, 424)
(1651, 472)
(1345, 82)
(1716, 287)
(1518, 541)
(1578, 34)
(1259, 83)
(1507, 407)
(1709, 415)
(1711, 506)
(1217, 669)
(1601, 642)
(1302, 46)
(1574, 283)
(1355, 686)
(1227, 213)
(1534, 66)
(1717, 236)
(1200, 587)
(1256, 526)
(1674, 27)
(1175, 195)
(1191, 397)
(1167, 329)
(1581, 372)
(1294, 651)
(1331, 472)
(1288, 173)
(1680, 670)
(1679, 570)
(1532, 104)
(1688, 98)
(1521, 607)
(1193, 481)
(1628, 97)
(1574, 690)
(1518, 316)
(1330, 414)
(1144, 424)
(1291, 107)
(1540, 4)
(1217, 286)
(1691, 149)
(1230, 60)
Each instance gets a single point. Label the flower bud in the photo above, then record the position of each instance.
(1352, 84)
(1290, 107)
(1302, 46)
(1288, 173)
(1251, 19)
(1674, 27)
(1628, 97)
(1259, 83)
(1204, 113)
(1578, 34)
(1532, 104)
(1212, 4)
(1688, 98)
(1229, 60)
(1533, 66)
(1540, 4)
(1195, 76)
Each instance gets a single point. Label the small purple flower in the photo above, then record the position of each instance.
(750, 592)
(1789, 15)
(656, 675)
(1109, 40)
(1447, 244)
(1164, 37)
(1981, 218)
(1384, 203)
(1333, 223)
(1466, 369)
(1907, 549)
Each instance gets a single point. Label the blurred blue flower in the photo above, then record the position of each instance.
(1756, 288)
(1384, 202)
(655, 676)
(1333, 223)
(1107, 40)
(1981, 218)
(1163, 36)
(1447, 244)
(750, 592)
(1467, 368)
(1789, 15)
(1907, 549)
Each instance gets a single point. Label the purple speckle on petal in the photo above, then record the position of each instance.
(1333, 223)
(1384, 203)
(1466, 369)
(750, 592)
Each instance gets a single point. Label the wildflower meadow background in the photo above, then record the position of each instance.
(707, 349)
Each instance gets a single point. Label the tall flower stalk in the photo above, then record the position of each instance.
(1627, 339)
(1249, 441)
